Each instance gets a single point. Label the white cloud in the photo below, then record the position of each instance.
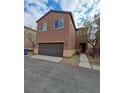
(32, 1)
(34, 12)
(69, 5)
(28, 20)
(78, 8)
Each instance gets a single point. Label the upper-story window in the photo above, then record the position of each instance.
(43, 27)
(59, 23)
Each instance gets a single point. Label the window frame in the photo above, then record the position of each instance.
(43, 27)
(62, 23)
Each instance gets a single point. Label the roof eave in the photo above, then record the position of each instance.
(61, 12)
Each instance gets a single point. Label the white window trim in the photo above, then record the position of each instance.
(62, 23)
(40, 26)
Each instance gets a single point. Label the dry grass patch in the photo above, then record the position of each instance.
(74, 60)
(94, 61)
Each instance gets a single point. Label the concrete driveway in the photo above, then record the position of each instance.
(47, 58)
(48, 77)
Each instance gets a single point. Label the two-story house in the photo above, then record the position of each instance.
(56, 34)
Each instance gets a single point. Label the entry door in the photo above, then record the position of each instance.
(83, 47)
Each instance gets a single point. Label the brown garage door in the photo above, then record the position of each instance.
(51, 49)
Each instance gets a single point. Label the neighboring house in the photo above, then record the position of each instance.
(81, 39)
(56, 34)
(29, 37)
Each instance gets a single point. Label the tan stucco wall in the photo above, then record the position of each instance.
(72, 39)
(69, 53)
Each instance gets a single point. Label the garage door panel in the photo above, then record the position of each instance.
(51, 49)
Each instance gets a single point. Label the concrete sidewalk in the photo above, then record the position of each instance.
(84, 62)
(47, 58)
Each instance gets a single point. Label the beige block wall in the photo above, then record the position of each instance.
(68, 53)
(36, 51)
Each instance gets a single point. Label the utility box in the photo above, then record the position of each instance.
(25, 51)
